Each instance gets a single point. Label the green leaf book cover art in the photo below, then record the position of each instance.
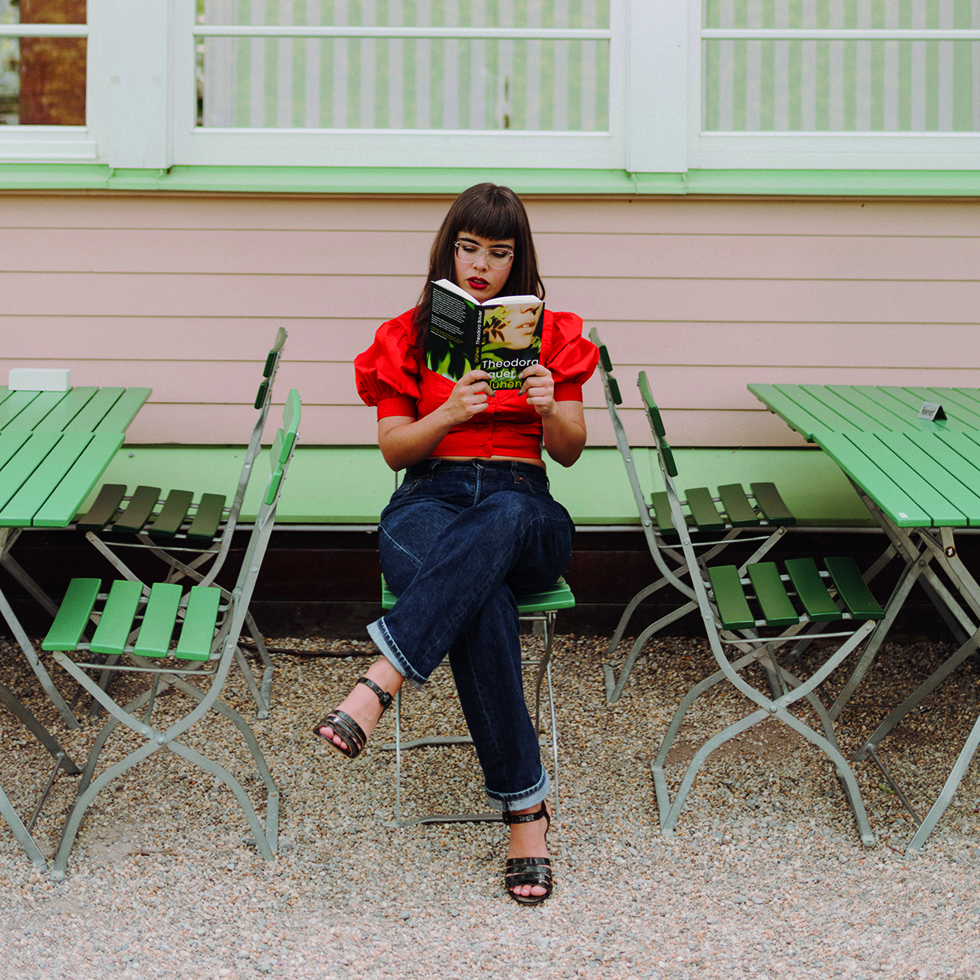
(503, 335)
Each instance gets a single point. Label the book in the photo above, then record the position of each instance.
(502, 336)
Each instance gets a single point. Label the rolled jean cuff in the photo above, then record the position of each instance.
(524, 799)
(385, 642)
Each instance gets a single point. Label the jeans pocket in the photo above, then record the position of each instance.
(532, 487)
(406, 488)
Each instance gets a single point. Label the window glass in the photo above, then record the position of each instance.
(898, 66)
(400, 72)
(42, 68)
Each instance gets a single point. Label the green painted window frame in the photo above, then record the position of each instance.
(450, 181)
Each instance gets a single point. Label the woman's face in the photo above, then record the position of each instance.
(516, 330)
(474, 274)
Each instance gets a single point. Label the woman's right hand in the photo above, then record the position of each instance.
(469, 397)
(405, 440)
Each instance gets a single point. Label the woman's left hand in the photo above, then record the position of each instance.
(539, 389)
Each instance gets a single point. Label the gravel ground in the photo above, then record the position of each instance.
(765, 876)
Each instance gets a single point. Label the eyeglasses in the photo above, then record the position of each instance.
(497, 257)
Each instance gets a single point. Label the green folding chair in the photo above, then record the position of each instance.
(180, 640)
(762, 614)
(540, 610)
(190, 532)
(716, 520)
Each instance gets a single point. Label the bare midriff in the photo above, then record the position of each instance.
(492, 459)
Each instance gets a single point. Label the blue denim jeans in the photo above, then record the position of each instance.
(457, 542)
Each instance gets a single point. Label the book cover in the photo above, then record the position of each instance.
(501, 336)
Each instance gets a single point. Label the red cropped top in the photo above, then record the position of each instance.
(391, 377)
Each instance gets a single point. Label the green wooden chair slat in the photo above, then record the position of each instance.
(811, 590)
(669, 460)
(661, 512)
(273, 357)
(559, 596)
(733, 607)
(273, 488)
(73, 615)
(614, 389)
(271, 363)
(737, 505)
(603, 352)
(207, 517)
(853, 589)
(643, 384)
(290, 422)
(159, 619)
(118, 616)
(103, 508)
(138, 510)
(172, 514)
(771, 503)
(197, 632)
(703, 509)
(777, 607)
(278, 448)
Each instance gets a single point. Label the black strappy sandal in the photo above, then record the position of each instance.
(348, 729)
(529, 871)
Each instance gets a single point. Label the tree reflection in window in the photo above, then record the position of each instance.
(42, 79)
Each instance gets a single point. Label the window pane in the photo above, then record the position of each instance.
(42, 79)
(817, 85)
(413, 83)
(841, 86)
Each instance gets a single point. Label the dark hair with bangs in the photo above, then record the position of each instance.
(489, 211)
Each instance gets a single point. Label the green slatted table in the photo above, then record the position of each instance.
(54, 448)
(918, 472)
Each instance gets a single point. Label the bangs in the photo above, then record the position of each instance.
(494, 216)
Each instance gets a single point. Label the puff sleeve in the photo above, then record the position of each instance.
(387, 373)
(570, 357)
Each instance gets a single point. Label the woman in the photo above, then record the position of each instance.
(473, 523)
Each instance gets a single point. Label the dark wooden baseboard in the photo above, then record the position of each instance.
(326, 582)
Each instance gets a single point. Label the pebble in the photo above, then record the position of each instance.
(764, 877)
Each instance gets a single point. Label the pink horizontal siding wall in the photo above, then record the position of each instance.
(185, 294)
